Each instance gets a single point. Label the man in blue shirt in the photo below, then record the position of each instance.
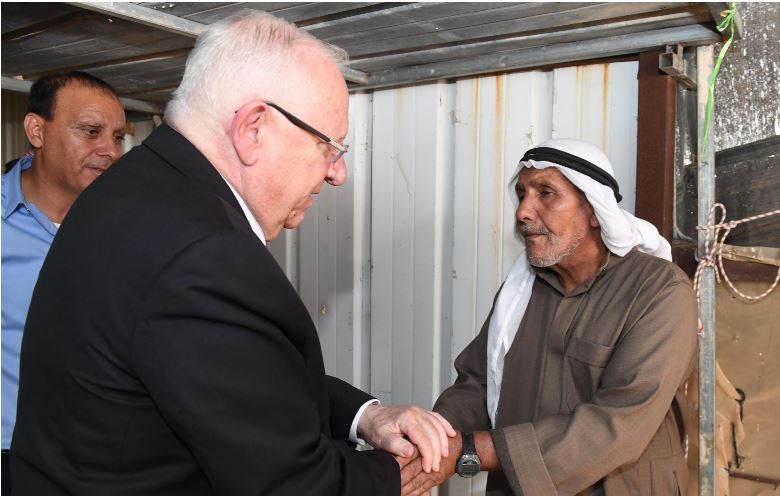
(76, 126)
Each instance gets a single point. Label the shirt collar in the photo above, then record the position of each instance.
(248, 213)
(13, 196)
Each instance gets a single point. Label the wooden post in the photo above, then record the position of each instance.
(655, 145)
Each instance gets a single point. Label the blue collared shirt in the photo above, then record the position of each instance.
(26, 236)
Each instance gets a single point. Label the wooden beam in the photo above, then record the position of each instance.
(128, 103)
(146, 16)
(748, 184)
(655, 145)
(113, 63)
(684, 255)
(39, 27)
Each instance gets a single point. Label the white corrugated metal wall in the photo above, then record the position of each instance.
(399, 266)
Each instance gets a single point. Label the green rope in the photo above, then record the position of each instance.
(726, 23)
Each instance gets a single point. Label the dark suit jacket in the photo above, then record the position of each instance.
(165, 352)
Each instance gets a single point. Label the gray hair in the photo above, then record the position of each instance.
(235, 58)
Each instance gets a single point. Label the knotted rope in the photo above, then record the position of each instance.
(713, 252)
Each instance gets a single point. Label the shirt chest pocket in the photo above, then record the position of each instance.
(583, 367)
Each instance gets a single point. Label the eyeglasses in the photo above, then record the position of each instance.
(342, 149)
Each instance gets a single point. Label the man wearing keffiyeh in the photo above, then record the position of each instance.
(573, 385)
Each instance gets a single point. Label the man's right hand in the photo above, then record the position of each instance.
(404, 431)
(416, 482)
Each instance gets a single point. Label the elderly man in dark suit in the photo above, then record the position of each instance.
(165, 351)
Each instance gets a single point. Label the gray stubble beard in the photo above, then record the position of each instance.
(542, 261)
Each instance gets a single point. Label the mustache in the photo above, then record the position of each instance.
(529, 229)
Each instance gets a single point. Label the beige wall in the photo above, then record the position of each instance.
(748, 350)
(14, 142)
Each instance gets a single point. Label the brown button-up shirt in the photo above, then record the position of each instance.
(588, 401)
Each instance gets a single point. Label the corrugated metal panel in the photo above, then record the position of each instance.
(502, 20)
(428, 208)
(412, 170)
(599, 103)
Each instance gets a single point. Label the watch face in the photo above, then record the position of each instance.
(468, 466)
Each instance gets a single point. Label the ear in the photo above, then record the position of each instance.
(34, 125)
(594, 222)
(247, 131)
(590, 212)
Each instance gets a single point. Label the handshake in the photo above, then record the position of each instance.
(424, 444)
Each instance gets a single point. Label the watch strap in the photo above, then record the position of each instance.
(469, 464)
(467, 448)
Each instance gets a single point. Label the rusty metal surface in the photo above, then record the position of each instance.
(655, 145)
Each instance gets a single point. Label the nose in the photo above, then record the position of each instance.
(337, 173)
(109, 148)
(526, 211)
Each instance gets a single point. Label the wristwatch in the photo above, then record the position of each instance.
(469, 463)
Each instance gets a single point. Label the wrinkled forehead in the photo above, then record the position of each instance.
(551, 177)
(531, 176)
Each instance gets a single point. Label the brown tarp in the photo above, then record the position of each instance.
(748, 354)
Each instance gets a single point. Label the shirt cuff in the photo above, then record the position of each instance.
(353, 429)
